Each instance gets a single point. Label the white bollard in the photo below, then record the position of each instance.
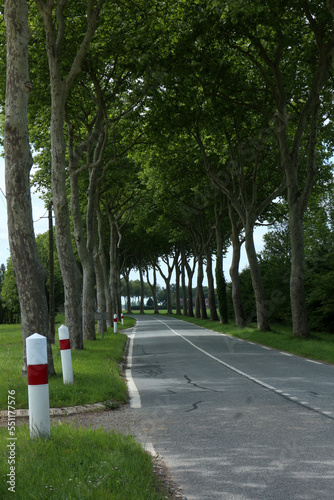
(38, 386)
(65, 354)
(115, 323)
(122, 319)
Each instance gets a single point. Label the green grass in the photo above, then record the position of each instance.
(319, 346)
(77, 464)
(95, 369)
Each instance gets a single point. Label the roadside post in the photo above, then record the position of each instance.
(122, 318)
(38, 386)
(65, 354)
(115, 323)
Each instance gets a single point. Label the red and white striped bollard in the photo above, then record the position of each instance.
(65, 354)
(115, 323)
(122, 319)
(38, 386)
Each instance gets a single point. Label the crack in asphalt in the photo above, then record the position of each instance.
(195, 406)
(199, 386)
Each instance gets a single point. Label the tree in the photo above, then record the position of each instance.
(64, 67)
(289, 50)
(29, 272)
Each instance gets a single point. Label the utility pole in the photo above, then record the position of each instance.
(51, 278)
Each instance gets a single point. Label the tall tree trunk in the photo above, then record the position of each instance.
(297, 292)
(200, 309)
(190, 273)
(100, 289)
(177, 283)
(239, 314)
(183, 280)
(85, 248)
(55, 25)
(260, 299)
(153, 287)
(126, 274)
(142, 292)
(29, 272)
(104, 265)
(113, 263)
(212, 300)
(70, 272)
(220, 278)
(167, 282)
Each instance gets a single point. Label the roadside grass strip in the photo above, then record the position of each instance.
(78, 463)
(96, 369)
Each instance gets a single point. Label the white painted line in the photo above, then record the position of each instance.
(249, 377)
(315, 362)
(150, 448)
(135, 401)
(264, 347)
(285, 353)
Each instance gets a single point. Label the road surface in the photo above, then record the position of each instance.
(233, 420)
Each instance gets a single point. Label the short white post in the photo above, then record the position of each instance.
(65, 354)
(122, 318)
(38, 386)
(115, 323)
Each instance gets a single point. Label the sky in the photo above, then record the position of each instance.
(41, 226)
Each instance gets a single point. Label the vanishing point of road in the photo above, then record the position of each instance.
(233, 420)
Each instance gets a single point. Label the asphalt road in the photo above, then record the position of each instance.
(233, 420)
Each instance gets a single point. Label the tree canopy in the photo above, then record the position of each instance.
(165, 132)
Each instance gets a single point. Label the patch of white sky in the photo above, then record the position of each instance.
(41, 226)
(38, 212)
(259, 232)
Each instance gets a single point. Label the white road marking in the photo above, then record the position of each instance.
(249, 377)
(135, 401)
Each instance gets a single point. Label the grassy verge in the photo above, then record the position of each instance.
(95, 368)
(320, 346)
(77, 464)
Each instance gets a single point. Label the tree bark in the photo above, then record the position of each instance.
(54, 24)
(200, 308)
(153, 287)
(142, 292)
(220, 279)
(126, 274)
(190, 273)
(239, 315)
(211, 286)
(260, 298)
(177, 283)
(85, 250)
(103, 262)
(100, 289)
(29, 272)
(71, 275)
(167, 282)
(184, 289)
